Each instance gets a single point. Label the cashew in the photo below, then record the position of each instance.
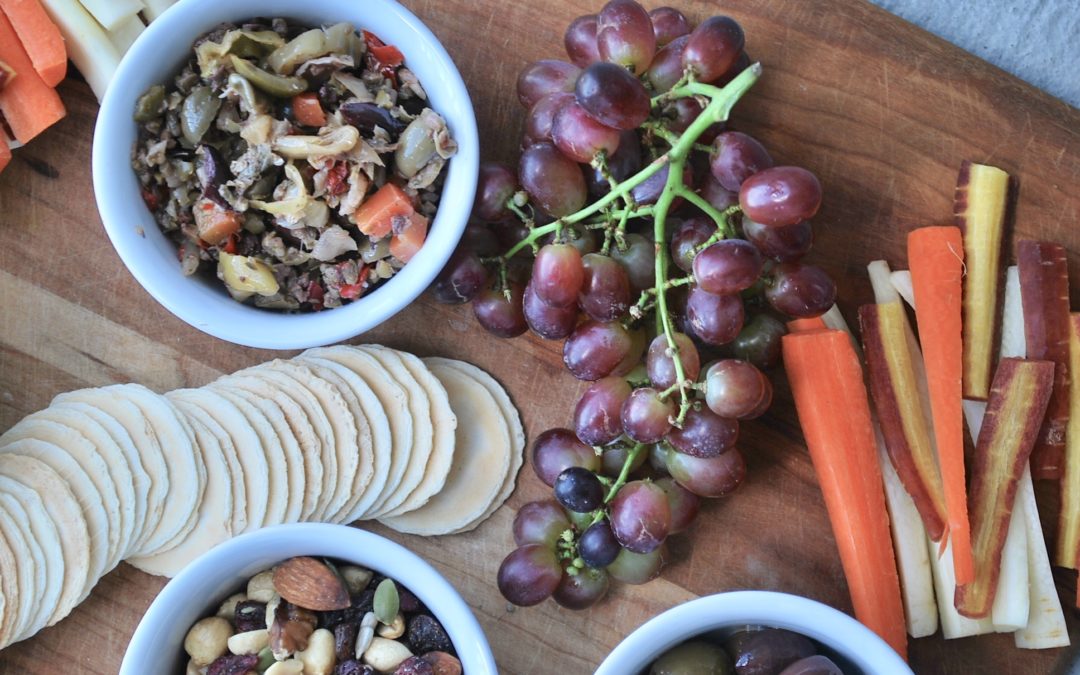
(207, 640)
(385, 655)
(227, 610)
(250, 642)
(193, 669)
(394, 629)
(290, 667)
(271, 609)
(319, 657)
(356, 578)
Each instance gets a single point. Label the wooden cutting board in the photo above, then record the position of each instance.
(880, 110)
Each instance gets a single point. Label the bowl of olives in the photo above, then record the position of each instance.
(753, 633)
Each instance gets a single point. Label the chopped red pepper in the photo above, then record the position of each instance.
(335, 178)
(308, 110)
(315, 295)
(386, 58)
(151, 199)
(230, 245)
(351, 291)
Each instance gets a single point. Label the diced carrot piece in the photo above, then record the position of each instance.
(805, 325)
(29, 105)
(40, 38)
(216, 224)
(405, 244)
(375, 215)
(7, 74)
(5, 153)
(308, 111)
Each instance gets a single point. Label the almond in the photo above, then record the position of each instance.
(311, 584)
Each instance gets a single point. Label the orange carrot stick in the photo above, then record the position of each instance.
(804, 325)
(5, 153)
(29, 105)
(830, 398)
(40, 38)
(936, 256)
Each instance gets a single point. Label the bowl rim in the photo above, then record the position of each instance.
(206, 306)
(320, 539)
(814, 619)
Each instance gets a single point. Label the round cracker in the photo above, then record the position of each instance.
(513, 423)
(482, 450)
(32, 565)
(145, 440)
(215, 512)
(249, 452)
(9, 592)
(21, 603)
(44, 534)
(443, 424)
(64, 511)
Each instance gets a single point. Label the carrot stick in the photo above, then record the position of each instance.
(29, 105)
(936, 256)
(830, 398)
(40, 38)
(804, 325)
(5, 153)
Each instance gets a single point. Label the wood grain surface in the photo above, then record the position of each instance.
(882, 112)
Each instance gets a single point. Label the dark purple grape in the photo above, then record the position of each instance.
(624, 163)
(461, 280)
(580, 41)
(638, 343)
(735, 157)
(728, 266)
(715, 319)
(759, 341)
(596, 350)
(597, 418)
(782, 195)
(550, 323)
(579, 490)
(639, 261)
(666, 69)
(540, 78)
(366, 116)
(479, 239)
(684, 504)
(682, 112)
(497, 315)
(801, 291)
(645, 416)
(553, 180)
(719, 197)
(736, 389)
(708, 476)
(691, 233)
(612, 96)
(529, 575)
(540, 522)
(582, 590)
(605, 292)
(624, 35)
(813, 665)
(637, 568)
(558, 274)
(615, 457)
(714, 47)
(538, 120)
(579, 136)
(771, 650)
(598, 546)
(782, 243)
(509, 233)
(649, 190)
(704, 434)
(741, 63)
(556, 450)
(661, 366)
(658, 457)
(583, 240)
(640, 516)
(495, 186)
(668, 24)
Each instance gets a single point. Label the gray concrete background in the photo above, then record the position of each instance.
(1036, 40)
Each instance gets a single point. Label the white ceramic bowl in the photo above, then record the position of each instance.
(157, 56)
(158, 643)
(851, 644)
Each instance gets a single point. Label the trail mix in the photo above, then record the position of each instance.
(301, 166)
(314, 617)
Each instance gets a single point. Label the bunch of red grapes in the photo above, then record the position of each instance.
(623, 146)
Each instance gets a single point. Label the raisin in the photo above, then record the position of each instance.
(249, 615)
(409, 602)
(345, 639)
(414, 665)
(425, 634)
(362, 603)
(353, 667)
(233, 664)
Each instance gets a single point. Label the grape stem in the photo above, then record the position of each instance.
(624, 473)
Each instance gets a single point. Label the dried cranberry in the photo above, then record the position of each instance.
(233, 664)
(345, 639)
(415, 665)
(409, 602)
(249, 615)
(352, 667)
(425, 634)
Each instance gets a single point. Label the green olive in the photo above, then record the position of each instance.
(197, 113)
(304, 47)
(275, 85)
(415, 148)
(337, 38)
(695, 657)
(151, 104)
(245, 274)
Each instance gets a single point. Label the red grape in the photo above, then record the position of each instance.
(553, 180)
(801, 291)
(704, 434)
(690, 234)
(579, 490)
(708, 476)
(529, 575)
(540, 78)
(668, 24)
(759, 341)
(582, 590)
(596, 350)
(558, 274)
(497, 315)
(579, 136)
(728, 266)
(735, 157)
(741, 63)
(684, 504)
(661, 366)
(612, 96)
(637, 568)
(715, 319)
(714, 47)
(597, 545)
(541, 114)
(639, 261)
(479, 239)
(540, 522)
(624, 35)
(624, 163)
(649, 190)
(782, 195)
(556, 450)
(461, 280)
(580, 41)
(495, 185)
(736, 389)
(782, 243)
(614, 458)
(716, 194)
(547, 321)
(682, 112)
(640, 516)
(658, 457)
(667, 68)
(645, 416)
(605, 292)
(597, 414)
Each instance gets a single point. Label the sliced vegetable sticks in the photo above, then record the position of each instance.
(830, 398)
(5, 153)
(936, 256)
(1068, 537)
(40, 38)
(29, 105)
